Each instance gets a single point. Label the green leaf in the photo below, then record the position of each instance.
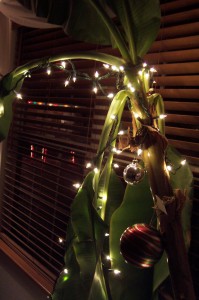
(115, 195)
(183, 180)
(98, 290)
(85, 236)
(7, 96)
(71, 283)
(89, 230)
(132, 283)
(140, 21)
(85, 24)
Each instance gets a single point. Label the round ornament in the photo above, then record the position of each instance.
(141, 245)
(133, 173)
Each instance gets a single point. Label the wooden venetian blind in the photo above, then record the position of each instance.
(56, 130)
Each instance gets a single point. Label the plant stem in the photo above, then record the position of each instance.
(90, 55)
(130, 37)
(116, 109)
(170, 224)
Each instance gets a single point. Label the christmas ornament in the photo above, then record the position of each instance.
(133, 173)
(141, 245)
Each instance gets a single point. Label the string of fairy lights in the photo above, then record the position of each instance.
(72, 75)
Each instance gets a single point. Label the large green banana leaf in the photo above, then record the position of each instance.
(140, 21)
(6, 99)
(132, 283)
(90, 20)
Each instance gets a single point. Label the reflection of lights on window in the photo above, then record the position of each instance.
(44, 153)
(73, 156)
(32, 151)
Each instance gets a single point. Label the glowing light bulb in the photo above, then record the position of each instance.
(96, 170)
(116, 166)
(74, 78)
(108, 257)
(118, 151)
(27, 74)
(132, 89)
(104, 198)
(121, 132)
(96, 74)
(48, 71)
(162, 116)
(153, 70)
(66, 82)
(19, 96)
(106, 66)
(106, 234)
(1, 109)
(139, 152)
(169, 168)
(183, 162)
(114, 68)
(60, 240)
(95, 90)
(65, 271)
(116, 271)
(144, 64)
(63, 64)
(136, 115)
(121, 68)
(88, 165)
(77, 185)
(140, 73)
(110, 95)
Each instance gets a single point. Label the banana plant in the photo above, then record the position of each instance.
(102, 206)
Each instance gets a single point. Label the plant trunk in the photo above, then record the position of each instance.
(170, 223)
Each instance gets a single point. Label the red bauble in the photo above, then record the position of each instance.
(141, 245)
